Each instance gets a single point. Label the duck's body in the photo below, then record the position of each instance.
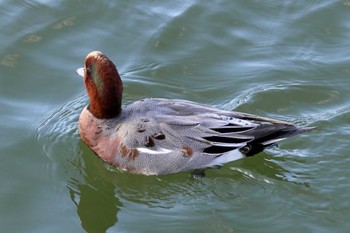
(162, 136)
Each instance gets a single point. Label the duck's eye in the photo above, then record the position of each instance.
(88, 70)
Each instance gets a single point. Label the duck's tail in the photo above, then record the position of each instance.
(270, 134)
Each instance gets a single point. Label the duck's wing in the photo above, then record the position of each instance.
(176, 135)
(228, 124)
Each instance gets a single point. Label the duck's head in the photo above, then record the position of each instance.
(103, 85)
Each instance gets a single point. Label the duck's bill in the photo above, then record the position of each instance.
(80, 71)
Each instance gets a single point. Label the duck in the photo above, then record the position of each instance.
(158, 136)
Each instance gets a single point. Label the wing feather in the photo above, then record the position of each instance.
(201, 135)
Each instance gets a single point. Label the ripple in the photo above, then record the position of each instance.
(58, 132)
(171, 10)
(10, 60)
(32, 38)
(143, 66)
(254, 179)
(68, 22)
(330, 113)
(248, 95)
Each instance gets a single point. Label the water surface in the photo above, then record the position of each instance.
(287, 60)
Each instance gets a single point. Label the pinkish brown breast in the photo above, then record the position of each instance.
(101, 140)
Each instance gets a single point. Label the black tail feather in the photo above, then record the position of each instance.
(269, 135)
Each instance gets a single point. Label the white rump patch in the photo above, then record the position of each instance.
(153, 152)
(227, 157)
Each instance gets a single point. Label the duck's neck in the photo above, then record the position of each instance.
(106, 107)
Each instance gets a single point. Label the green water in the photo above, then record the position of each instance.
(288, 60)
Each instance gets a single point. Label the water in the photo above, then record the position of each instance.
(287, 60)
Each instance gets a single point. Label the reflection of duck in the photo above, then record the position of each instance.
(95, 199)
(162, 136)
